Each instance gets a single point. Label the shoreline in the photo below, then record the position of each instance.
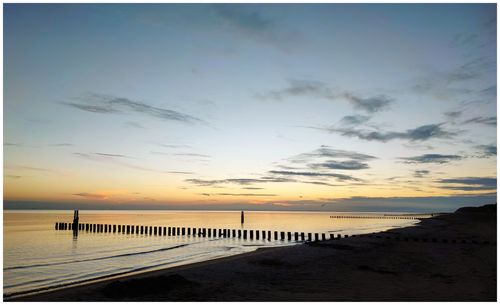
(301, 272)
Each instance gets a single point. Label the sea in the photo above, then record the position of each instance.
(37, 257)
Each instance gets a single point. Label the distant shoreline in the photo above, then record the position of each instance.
(371, 269)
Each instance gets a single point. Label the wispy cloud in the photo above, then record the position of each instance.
(487, 151)
(240, 194)
(369, 104)
(91, 195)
(12, 144)
(342, 165)
(315, 89)
(421, 173)
(432, 158)
(105, 104)
(339, 177)
(421, 133)
(354, 119)
(325, 151)
(469, 183)
(61, 145)
(248, 22)
(490, 121)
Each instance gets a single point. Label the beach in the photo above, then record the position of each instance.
(353, 269)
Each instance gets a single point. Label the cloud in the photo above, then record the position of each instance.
(315, 89)
(339, 177)
(243, 194)
(463, 39)
(470, 183)
(248, 22)
(370, 104)
(28, 168)
(111, 155)
(117, 159)
(105, 104)
(473, 69)
(91, 195)
(181, 172)
(297, 88)
(326, 152)
(487, 150)
(432, 158)
(12, 144)
(191, 155)
(343, 165)
(354, 119)
(421, 133)
(490, 121)
(134, 125)
(252, 188)
(453, 114)
(421, 173)
(13, 176)
(61, 145)
(240, 181)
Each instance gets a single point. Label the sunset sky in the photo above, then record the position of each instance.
(303, 107)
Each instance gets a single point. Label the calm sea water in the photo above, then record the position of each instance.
(36, 256)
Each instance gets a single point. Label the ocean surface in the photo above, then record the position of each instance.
(36, 256)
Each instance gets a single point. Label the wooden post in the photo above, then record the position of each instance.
(204, 232)
(263, 235)
(244, 234)
(57, 226)
(302, 236)
(242, 217)
(296, 235)
(346, 236)
(316, 236)
(189, 231)
(275, 235)
(332, 236)
(183, 231)
(309, 236)
(194, 231)
(210, 233)
(324, 236)
(289, 235)
(178, 231)
(282, 235)
(234, 233)
(169, 231)
(268, 235)
(251, 234)
(239, 233)
(339, 236)
(257, 234)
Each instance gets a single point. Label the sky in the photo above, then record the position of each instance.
(327, 107)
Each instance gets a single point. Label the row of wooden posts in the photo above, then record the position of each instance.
(234, 233)
(202, 232)
(380, 217)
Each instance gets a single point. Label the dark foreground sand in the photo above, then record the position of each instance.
(353, 269)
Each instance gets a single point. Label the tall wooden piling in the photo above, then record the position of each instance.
(244, 234)
(242, 217)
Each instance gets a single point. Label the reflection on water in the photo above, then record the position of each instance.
(38, 256)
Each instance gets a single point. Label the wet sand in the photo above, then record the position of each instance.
(352, 269)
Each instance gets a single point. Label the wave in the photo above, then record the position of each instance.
(95, 259)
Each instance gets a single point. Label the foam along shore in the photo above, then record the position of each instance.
(421, 268)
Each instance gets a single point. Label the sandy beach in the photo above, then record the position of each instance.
(354, 269)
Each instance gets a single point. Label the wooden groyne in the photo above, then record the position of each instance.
(243, 234)
(413, 217)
